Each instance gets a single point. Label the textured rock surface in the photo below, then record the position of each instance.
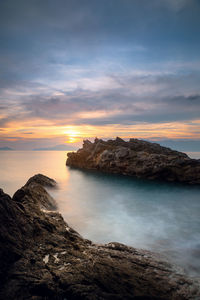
(136, 158)
(42, 257)
(42, 180)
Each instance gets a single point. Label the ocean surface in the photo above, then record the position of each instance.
(157, 216)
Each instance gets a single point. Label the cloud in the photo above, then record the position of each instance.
(178, 5)
(28, 132)
(98, 63)
(129, 98)
(37, 36)
(3, 107)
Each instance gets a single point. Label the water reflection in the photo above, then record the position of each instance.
(18, 166)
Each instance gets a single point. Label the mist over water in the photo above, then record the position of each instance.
(157, 216)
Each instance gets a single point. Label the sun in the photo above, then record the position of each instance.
(73, 135)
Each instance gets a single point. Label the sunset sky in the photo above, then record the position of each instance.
(74, 69)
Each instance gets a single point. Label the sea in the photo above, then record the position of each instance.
(157, 216)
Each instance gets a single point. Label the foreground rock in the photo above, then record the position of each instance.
(136, 158)
(42, 257)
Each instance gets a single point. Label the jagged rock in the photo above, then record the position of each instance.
(42, 257)
(42, 180)
(137, 158)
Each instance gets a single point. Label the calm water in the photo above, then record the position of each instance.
(104, 208)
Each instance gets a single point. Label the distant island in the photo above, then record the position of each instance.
(137, 158)
(61, 147)
(6, 149)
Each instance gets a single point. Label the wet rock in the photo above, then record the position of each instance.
(137, 158)
(35, 195)
(42, 257)
(42, 180)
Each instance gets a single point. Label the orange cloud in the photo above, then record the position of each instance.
(74, 133)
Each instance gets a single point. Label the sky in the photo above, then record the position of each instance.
(77, 69)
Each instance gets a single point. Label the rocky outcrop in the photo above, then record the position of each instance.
(42, 257)
(137, 158)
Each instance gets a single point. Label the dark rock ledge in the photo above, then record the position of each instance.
(137, 158)
(42, 257)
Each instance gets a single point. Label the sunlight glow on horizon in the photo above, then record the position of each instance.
(72, 134)
(76, 133)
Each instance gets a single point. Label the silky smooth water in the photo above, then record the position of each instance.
(157, 216)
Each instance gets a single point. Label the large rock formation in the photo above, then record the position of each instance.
(137, 158)
(42, 257)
